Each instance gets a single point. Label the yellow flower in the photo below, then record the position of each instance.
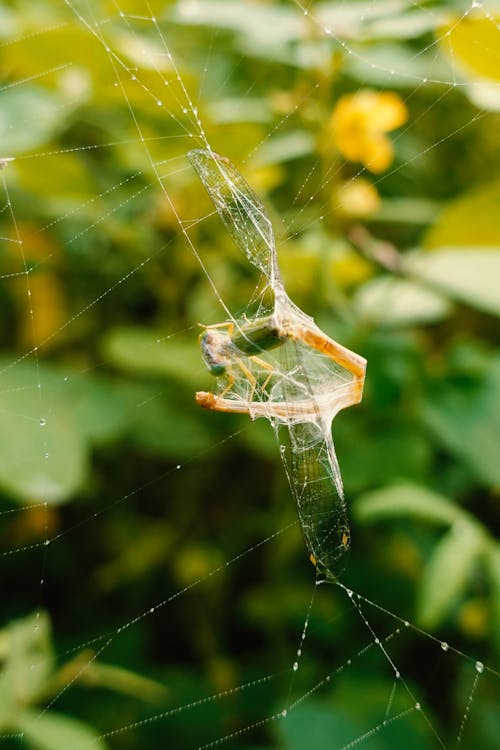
(356, 198)
(359, 123)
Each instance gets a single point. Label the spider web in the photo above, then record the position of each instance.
(67, 541)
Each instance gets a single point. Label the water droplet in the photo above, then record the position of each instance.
(349, 593)
(283, 713)
(397, 675)
(417, 707)
(295, 666)
(159, 103)
(43, 422)
(444, 646)
(47, 542)
(299, 652)
(407, 624)
(377, 641)
(151, 610)
(178, 467)
(479, 667)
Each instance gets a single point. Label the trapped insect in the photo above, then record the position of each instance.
(278, 364)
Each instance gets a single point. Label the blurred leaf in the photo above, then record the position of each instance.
(371, 68)
(63, 183)
(469, 221)
(44, 456)
(8, 707)
(143, 51)
(25, 646)
(473, 43)
(262, 30)
(166, 426)
(53, 731)
(234, 109)
(448, 571)
(124, 681)
(48, 421)
(484, 95)
(402, 500)
(316, 726)
(469, 275)
(142, 351)
(384, 19)
(407, 211)
(493, 573)
(391, 302)
(292, 145)
(409, 24)
(399, 450)
(98, 406)
(29, 117)
(465, 417)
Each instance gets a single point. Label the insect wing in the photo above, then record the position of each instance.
(311, 466)
(240, 209)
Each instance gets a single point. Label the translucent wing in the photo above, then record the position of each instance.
(241, 211)
(308, 452)
(311, 466)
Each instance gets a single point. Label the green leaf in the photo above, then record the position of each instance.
(471, 220)
(262, 30)
(234, 109)
(391, 302)
(30, 116)
(98, 406)
(52, 731)
(384, 19)
(124, 681)
(44, 453)
(28, 658)
(493, 573)
(399, 450)
(465, 417)
(63, 182)
(379, 57)
(291, 145)
(8, 706)
(165, 426)
(469, 275)
(146, 352)
(448, 572)
(402, 500)
(316, 726)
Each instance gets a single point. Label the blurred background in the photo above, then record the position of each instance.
(370, 131)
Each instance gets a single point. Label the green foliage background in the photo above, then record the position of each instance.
(97, 418)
